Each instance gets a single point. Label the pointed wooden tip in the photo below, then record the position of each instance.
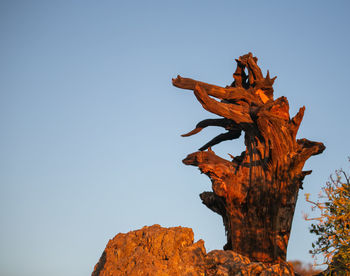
(231, 156)
(192, 132)
(268, 78)
(176, 80)
(268, 74)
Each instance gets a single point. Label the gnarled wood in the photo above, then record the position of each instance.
(256, 192)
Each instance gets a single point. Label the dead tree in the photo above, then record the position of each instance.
(256, 192)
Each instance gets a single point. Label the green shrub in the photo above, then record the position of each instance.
(333, 224)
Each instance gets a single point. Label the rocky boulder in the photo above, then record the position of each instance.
(158, 251)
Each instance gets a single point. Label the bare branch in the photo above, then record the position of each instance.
(225, 123)
(229, 93)
(237, 113)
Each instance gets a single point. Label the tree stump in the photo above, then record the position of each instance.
(256, 192)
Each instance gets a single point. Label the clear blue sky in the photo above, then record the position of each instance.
(90, 123)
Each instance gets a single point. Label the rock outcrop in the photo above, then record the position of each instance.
(158, 251)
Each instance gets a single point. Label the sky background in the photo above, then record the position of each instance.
(90, 123)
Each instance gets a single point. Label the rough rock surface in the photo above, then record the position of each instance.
(159, 251)
(153, 251)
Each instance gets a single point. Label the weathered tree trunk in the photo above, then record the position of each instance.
(256, 192)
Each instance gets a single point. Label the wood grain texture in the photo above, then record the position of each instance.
(256, 192)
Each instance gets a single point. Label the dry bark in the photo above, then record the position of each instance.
(256, 192)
